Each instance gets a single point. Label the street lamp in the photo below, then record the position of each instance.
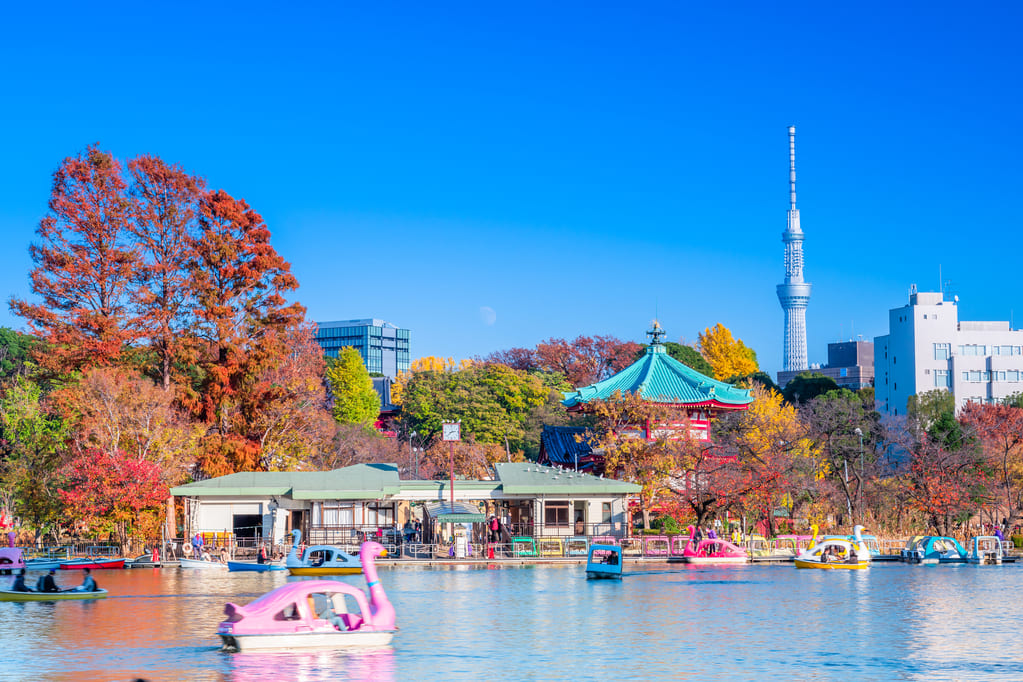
(859, 433)
(410, 437)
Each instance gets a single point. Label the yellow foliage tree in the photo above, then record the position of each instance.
(430, 363)
(729, 357)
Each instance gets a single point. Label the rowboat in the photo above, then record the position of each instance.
(43, 564)
(91, 563)
(199, 563)
(254, 566)
(11, 595)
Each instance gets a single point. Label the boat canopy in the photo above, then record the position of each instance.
(459, 512)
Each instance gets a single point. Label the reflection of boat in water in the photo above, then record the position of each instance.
(985, 550)
(604, 562)
(933, 549)
(320, 559)
(712, 551)
(314, 665)
(836, 552)
(200, 563)
(11, 595)
(314, 613)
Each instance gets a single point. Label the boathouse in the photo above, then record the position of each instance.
(345, 505)
(655, 377)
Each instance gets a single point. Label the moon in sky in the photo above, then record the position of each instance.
(488, 315)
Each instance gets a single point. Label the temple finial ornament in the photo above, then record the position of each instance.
(655, 333)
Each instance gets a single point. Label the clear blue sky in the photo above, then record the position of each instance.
(575, 168)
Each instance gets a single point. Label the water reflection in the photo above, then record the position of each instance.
(664, 621)
(313, 666)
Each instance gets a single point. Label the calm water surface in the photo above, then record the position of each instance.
(549, 623)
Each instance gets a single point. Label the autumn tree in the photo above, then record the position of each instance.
(728, 356)
(999, 429)
(113, 492)
(768, 441)
(354, 400)
(83, 266)
(164, 228)
(238, 283)
(585, 359)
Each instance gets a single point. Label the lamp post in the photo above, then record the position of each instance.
(410, 437)
(859, 433)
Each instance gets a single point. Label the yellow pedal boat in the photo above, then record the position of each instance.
(837, 554)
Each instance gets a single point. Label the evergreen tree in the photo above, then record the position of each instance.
(355, 401)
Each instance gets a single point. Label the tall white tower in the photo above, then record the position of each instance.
(794, 294)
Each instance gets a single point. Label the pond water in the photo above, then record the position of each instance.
(548, 622)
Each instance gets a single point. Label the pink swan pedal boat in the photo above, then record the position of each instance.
(314, 613)
(712, 551)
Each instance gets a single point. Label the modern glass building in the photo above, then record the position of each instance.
(383, 347)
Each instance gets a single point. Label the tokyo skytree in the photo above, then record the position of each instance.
(794, 294)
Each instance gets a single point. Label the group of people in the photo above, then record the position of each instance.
(198, 550)
(412, 531)
(47, 583)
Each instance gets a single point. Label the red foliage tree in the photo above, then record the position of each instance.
(241, 318)
(113, 492)
(1000, 430)
(84, 267)
(586, 359)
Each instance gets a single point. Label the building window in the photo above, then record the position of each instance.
(605, 512)
(1012, 375)
(942, 351)
(337, 514)
(942, 378)
(555, 513)
(379, 514)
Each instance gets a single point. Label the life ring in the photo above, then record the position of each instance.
(186, 550)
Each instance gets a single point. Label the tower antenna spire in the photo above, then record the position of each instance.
(792, 168)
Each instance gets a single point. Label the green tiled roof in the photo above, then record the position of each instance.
(359, 482)
(527, 478)
(657, 377)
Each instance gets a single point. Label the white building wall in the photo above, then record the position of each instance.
(928, 348)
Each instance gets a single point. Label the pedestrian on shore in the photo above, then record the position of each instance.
(197, 544)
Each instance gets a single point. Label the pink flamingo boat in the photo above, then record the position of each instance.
(712, 551)
(314, 613)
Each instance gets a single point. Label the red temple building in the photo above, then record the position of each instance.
(656, 377)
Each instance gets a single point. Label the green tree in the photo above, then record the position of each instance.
(355, 401)
(929, 407)
(34, 445)
(15, 352)
(494, 402)
(762, 378)
(807, 386)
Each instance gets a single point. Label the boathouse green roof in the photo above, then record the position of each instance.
(659, 378)
(379, 481)
(358, 482)
(528, 478)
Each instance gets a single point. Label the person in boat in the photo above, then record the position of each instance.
(205, 556)
(197, 545)
(47, 583)
(19, 583)
(261, 555)
(697, 536)
(225, 556)
(712, 534)
(88, 583)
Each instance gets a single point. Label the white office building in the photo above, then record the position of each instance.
(928, 348)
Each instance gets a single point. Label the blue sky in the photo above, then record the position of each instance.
(576, 168)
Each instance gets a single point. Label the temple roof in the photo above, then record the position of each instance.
(657, 377)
